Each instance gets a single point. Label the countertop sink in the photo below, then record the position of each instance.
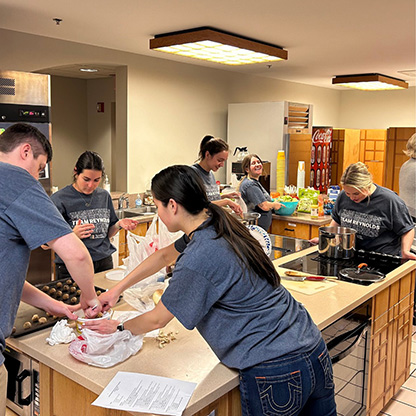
(144, 210)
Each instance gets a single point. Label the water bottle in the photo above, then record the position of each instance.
(138, 202)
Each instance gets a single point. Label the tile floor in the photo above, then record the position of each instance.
(403, 404)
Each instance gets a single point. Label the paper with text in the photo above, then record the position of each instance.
(145, 393)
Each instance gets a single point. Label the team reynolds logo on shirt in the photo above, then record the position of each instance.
(364, 224)
(100, 217)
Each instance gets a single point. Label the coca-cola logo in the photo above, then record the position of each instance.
(322, 136)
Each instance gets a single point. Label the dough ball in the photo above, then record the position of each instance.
(65, 296)
(74, 300)
(157, 295)
(45, 289)
(59, 285)
(43, 320)
(65, 288)
(27, 325)
(35, 318)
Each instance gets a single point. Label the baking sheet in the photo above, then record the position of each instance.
(26, 312)
(308, 287)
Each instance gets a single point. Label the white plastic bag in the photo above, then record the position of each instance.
(141, 297)
(142, 247)
(105, 350)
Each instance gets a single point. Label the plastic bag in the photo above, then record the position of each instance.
(142, 247)
(105, 350)
(141, 297)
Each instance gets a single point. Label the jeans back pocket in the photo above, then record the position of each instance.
(280, 395)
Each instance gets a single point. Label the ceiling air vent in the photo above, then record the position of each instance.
(7, 86)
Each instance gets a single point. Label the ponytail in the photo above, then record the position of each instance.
(182, 184)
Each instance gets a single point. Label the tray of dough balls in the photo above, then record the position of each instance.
(30, 319)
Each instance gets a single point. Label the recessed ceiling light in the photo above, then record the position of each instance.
(88, 70)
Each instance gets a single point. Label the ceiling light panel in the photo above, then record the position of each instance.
(370, 82)
(216, 46)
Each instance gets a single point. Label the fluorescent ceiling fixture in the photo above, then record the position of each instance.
(88, 70)
(370, 82)
(217, 46)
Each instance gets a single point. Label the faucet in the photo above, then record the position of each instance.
(121, 199)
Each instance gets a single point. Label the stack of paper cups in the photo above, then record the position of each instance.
(301, 175)
(280, 172)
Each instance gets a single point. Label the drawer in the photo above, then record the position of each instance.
(291, 229)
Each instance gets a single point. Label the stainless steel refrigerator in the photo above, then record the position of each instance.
(25, 97)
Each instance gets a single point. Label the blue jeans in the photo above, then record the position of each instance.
(297, 384)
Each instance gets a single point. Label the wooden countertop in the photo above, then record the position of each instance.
(189, 357)
(304, 218)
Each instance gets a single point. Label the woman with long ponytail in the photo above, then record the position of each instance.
(235, 300)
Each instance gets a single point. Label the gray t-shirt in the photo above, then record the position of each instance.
(379, 223)
(96, 209)
(407, 185)
(28, 219)
(208, 178)
(243, 318)
(253, 194)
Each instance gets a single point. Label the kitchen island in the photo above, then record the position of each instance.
(65, 380)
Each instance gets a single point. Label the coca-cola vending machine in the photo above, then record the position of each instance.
(320, 158)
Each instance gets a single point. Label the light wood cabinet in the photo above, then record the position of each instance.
(61, 396)
(373, 152)
(298, 227)
(397, 138)
(391, 338)
(291, 229)
(345, 149)
(58, 394)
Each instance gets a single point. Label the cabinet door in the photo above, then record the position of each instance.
(60, 396)
(372, 152)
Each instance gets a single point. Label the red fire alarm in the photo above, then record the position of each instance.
(100, 107)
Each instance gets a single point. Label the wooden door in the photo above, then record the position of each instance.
(300, 149)
(397, 138)
(372, 152)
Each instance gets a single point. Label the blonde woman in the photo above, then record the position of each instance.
(379, 216)
(407, 178)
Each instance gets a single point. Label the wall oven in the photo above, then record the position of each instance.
(348, 342)
(22, 383)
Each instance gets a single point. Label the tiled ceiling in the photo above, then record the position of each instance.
(324, 38)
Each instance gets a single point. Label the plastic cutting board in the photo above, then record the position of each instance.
(308, 287)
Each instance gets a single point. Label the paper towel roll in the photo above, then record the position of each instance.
(301, 175)
(280, 171)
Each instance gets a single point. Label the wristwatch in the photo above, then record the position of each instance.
(120, 327)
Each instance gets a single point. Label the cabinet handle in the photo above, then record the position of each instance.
(289, 229)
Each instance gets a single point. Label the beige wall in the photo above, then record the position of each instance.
(69, 126)
(99, 124)
(378, 109)
(169, 106)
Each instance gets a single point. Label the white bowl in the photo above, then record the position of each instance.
(82, 319)
(115, 275)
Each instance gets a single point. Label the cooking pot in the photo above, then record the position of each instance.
(337, 242)
(248, 218)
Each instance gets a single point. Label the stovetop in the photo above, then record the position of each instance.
(316, 264)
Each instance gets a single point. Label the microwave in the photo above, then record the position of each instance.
(23, 392)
